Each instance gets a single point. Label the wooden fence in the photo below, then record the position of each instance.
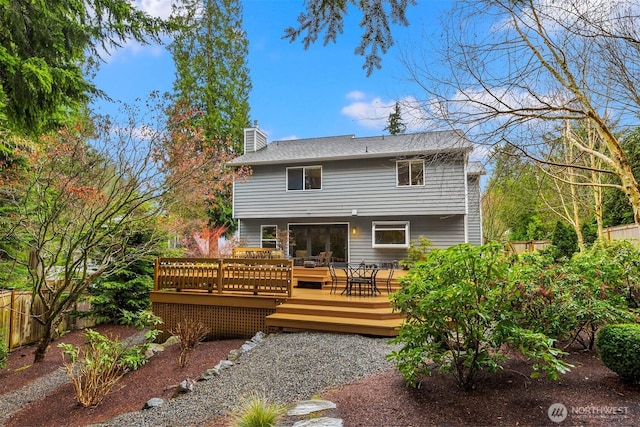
(226, 275)
(629, 232)
(527, 246)
(19, 328)
(623, 232)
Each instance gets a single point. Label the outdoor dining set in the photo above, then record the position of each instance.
(361, 278)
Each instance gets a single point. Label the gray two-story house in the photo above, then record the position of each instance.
(358, 198)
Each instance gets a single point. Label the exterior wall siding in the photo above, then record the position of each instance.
(474, 217)
(441, 231)
(368, 186)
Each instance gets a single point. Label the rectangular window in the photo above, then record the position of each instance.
(269, 236)
(304, 178)
(410, 172)
(390, 234)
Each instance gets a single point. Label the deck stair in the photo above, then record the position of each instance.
(317, 275)
(335, 313)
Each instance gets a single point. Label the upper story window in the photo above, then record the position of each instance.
(268, 236)
(410, 172)
(304, 178)
(390, 234)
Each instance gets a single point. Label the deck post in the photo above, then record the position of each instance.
(219, 278)
(156, 272)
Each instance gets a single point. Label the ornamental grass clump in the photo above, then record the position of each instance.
(190, 334)
(619, 348)
(257, 411)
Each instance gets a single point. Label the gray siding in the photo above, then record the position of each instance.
(442, 231)
(368, 186)
(474, 217)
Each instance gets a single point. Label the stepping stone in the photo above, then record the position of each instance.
(319, 422)
(306, 407)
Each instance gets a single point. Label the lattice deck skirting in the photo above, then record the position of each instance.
(222, 322)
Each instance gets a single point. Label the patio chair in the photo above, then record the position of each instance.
(363, 277)
(390, 267)
(324, 259)
(337, 280)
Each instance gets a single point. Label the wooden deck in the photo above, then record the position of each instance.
(238, 312)
(320, 310)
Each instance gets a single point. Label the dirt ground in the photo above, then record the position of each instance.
(589, 395)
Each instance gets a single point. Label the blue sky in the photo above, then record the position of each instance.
(297, 93)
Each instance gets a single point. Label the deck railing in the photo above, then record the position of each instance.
(226, 275)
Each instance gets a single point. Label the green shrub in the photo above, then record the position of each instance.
(459, 314)
(619, 348)
(4, 353)
(568, 301)
(96, 367)
(418, 251)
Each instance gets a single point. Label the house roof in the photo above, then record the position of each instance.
(475, 168)
(346, 147)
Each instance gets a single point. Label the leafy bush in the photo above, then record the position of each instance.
(99, 365)
(619, 348)
(141, 320)
(418, 251)
(459, 315)
(568, 301)
(257, 411)
(4, 353)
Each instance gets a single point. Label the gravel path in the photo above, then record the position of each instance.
(283, 367)
(14, 401)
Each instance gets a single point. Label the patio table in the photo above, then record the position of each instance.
(359, 275)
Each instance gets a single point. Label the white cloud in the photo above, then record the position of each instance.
(156, 8)
(373, 112)
(356, 95)
(131, 48)
(481, 152)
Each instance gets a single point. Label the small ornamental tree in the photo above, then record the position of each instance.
(458, 314)
(91, 190)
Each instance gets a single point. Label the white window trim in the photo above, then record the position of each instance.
(401, 225)
(275, 239)
(304, 168)
(409, 185)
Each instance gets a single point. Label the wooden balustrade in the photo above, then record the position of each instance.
(226, 275)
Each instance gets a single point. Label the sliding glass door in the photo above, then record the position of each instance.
(311, 239)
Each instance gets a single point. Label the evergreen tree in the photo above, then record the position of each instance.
(395, 125)
(564, 240)
(46, 50)
(210, 50)
(327, 16)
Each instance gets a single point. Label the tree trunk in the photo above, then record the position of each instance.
(43, 344)
(623, 169)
